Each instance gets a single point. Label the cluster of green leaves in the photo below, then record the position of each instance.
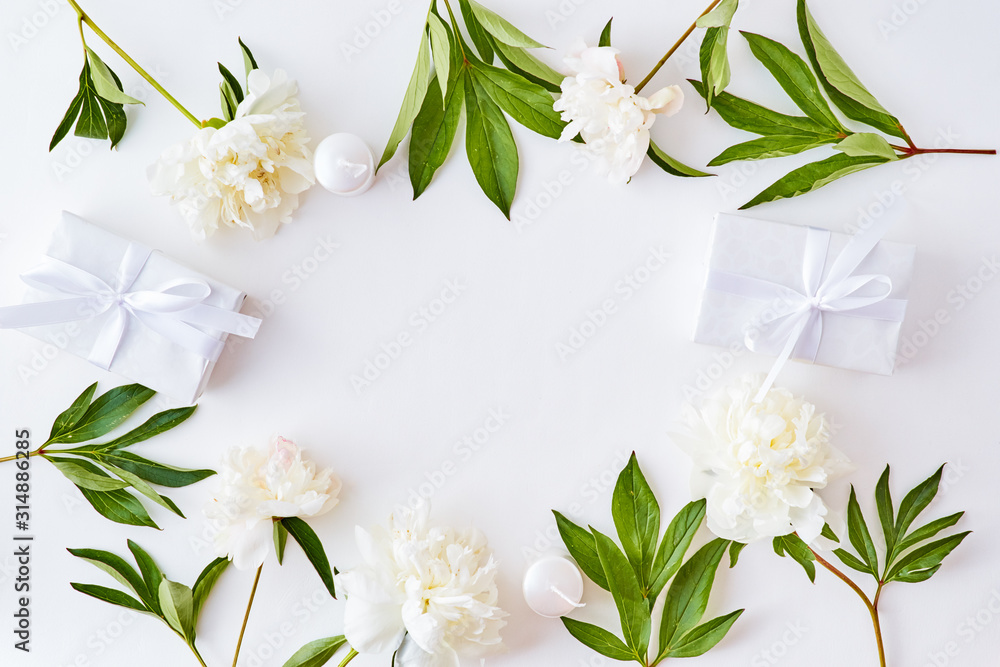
(104, 471)
(99, 106)
(909, 556)
(714, 54)
(311, 546)
(466, 78)
(231, 91)
(173, 603)
(637, 573)
(782, 134)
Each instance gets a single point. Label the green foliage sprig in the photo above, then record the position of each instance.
(637, 572)
(104, 471)
(909, 555)
(782, 134)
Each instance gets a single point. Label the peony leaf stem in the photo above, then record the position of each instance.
(350, 656)
(677, 45)
(872, 608)
(246, 617)
(83, 17)
(14, 457)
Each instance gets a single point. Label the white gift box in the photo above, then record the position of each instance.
(129, 310)
(799, 292)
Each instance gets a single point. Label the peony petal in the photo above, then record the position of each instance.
(372, 628)
(411, 655)
(667, 101)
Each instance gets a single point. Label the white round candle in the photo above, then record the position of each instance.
(344, 164)
(553, 587)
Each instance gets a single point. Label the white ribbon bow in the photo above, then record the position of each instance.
(173, 309)
(793, 321)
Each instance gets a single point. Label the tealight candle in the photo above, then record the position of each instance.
(344, 164)
(553, 587)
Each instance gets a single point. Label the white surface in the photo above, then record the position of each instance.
(350, 276)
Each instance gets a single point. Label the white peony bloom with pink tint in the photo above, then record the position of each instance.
(609, 116)
(759, 464)
(428, 593)
(258, 486)
(248, 173)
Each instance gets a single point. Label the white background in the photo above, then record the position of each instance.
(525, 287)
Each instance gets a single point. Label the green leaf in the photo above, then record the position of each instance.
(857, 532)
(927, 532)
(280, 539)
(775, 145)
(852, 561)
(316, 653)
(441, 49)
(114, 565)
(433, 134)
(688, 595)
(249, 63)
(151, 576)
(795, 547)
(674, 545)
(867, 143)
(519, 61)
(477, 32)
(670, 165)
(714, 60)
(91, 123)
(632, 608)
(151, 471)
(704, 638)
(828, 533)
(106, 413)
(746, 115)
(886, 515)
(812, 177)
(581, 546)
(637, 519)
(605, 39)
(921, 564)
(145, 489)
(526, 102)
(71, 416)
(501, 28)
(313, 549)
(111, 596)
(227, 101)
(232, 85)
(841, 84)
(606, 643)
(735, 549)
(490, 146)
(119, 506)
(85, 474)
(412, 99)
(795, 78)
(204, 584)
(116, 120)
(68, 119)
(217, 123)
(155, 425)
(916, 501)
(105, 82)
(722, 15)
(177, 606)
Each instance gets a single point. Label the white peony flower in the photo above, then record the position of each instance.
(429, 591)
(758, 464)
(247, 174)
(258, 486)
(612, 120)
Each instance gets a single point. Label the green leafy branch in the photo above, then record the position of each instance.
(783, 135)
(103, 471)
(637, 573)
(909, 555)
(177, 605)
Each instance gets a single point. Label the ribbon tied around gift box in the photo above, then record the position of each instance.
(174, 309)
(792, 322)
